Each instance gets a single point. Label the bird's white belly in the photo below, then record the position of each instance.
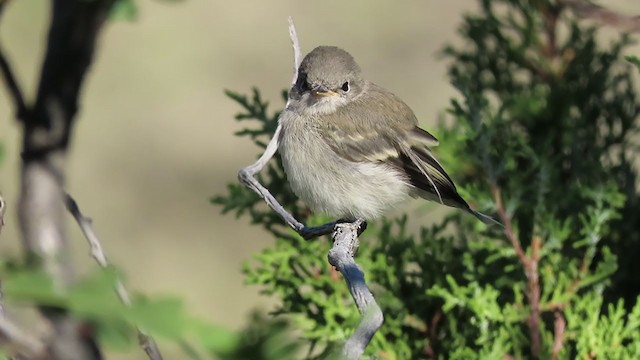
(332, 185)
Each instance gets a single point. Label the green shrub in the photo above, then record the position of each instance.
(541, 134)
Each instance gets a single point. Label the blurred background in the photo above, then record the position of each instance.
(154, 137)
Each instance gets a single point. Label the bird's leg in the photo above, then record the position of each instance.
(310, 232)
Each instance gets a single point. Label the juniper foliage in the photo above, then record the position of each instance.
(542, 134)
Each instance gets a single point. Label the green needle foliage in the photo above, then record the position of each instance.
(542, 134)
(634, 60)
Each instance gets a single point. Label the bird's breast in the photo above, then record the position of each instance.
(330, 184)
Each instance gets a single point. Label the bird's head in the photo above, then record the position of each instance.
(328, 78)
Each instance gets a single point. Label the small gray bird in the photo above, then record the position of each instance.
(352, 149)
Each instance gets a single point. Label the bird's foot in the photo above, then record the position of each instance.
(312, 232)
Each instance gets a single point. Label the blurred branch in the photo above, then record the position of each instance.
(589, 10)
(431, 348)
(19, 342)
(345, 244)
(47, 126)
(3, 209)
(10, 79)
(559, 326)
(12, 86)
(530, 266)
(146, 342)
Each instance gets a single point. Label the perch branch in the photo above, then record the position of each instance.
(146, 342)
(246, 175)
(530, 265)
(345, 238)
(345, 244)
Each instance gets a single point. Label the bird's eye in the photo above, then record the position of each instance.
(345, 87)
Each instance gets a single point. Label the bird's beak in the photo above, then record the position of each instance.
(323, 91)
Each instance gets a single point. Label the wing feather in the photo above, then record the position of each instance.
(362, 133)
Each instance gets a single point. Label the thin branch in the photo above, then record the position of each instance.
(246, 175)
(12, 86)
(146, 341)
(550, 17)
(431, 348)
(559, 326)
(508, 227)
(19, 342)
(599, 13)
(345, 244)
(297, 54)
(3, 207)
(47, 126)
(530, 266)
(533, 293)
(10, 79)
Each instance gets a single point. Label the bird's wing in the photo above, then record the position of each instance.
(361, 132)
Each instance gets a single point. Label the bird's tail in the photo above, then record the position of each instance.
(485, 218)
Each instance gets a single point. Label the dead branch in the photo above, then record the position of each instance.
(19, 342)
(559, 326)
(147, 343)
(530, 266)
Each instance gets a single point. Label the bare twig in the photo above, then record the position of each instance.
(530, 266)
(297, 54)
(533, 294)
(559, 326)
(345, 244)
(19, 342)
(10, 79)
(3, 209)
(431, 348)
(246, 175)
(12, 86)
(508, 227)
(551, 14)
(599, 13)
(146, 342)
(345, 237)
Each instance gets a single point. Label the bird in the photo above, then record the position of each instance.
(352, 149)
